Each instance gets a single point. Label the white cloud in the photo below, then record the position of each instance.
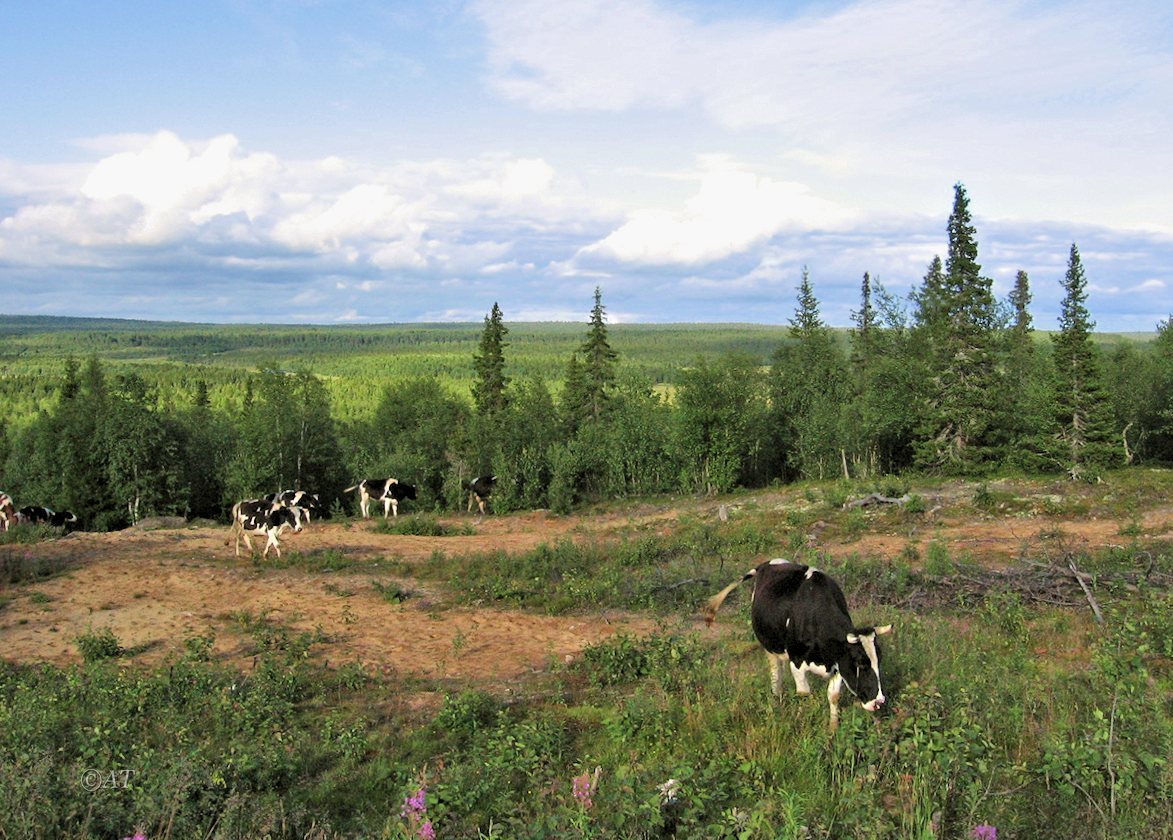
(733, 210)
(1046, 109)
(216, 199)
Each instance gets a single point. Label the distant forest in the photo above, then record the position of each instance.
(117, 420)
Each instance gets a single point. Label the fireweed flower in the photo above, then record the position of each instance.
(984, 832)
(415, 804)
(584, 787)
(426, 831)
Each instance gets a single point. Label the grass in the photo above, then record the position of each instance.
(1004, 712)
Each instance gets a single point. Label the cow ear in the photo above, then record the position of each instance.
(884, 630)
(852, 639)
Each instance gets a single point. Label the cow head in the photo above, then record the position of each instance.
(409, 491)
(285, 516)
(860, 665)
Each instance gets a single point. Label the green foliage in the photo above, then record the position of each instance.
(723, 434)
(957, 319)
(671, 660)
(490, 382)
(808, 391)
(1084, 418)
(185, 420)
(96, 645)
(421, 525)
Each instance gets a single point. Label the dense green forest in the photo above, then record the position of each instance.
(117, 420)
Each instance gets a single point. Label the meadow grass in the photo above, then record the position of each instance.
(1002, 712)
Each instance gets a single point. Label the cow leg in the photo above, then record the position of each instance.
(364, 505)
(237, 532)
(272, 541)
(801, 686)
(776, 661)
(471, 497)
(394, 507)
(834, 686)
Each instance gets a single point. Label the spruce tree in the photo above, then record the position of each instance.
(959, 318)
(1084, 412)
(489, 380)
(598, 362)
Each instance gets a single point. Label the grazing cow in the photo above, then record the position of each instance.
(7, 511)
(261, 517)
(389, 491)
(37, 515)
(479, 490)
(800, 615)
(299, 501)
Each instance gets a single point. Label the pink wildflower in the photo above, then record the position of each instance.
(984, 832)
(584, 787)
(426, 831)
(415, 804)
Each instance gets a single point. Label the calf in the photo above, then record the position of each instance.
(479, 490)
(800, 615)
(261, 517)
(37, 515)
(7, 511)
(389, 491)
(303, 504)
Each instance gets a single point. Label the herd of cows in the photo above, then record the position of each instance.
(32, 514)
(276, 513)
(799, 614)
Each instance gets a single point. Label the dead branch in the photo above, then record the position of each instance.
(876, 498)
(1086, 591)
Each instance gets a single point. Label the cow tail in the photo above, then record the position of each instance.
(714, 603)
(348, 489)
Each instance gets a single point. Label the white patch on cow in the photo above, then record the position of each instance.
(779, 561)
(800, 684)
(800, 672)
(811, 572)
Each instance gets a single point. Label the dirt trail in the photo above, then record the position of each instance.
(155, 589)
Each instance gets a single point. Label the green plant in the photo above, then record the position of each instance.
(937, 560)
(96, 645)
(391, 592)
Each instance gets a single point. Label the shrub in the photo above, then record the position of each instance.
(98, 645)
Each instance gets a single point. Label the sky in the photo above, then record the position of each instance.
(352, 161)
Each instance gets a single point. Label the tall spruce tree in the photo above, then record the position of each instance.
(489, 380)
(959, 318)
(598, 362)
(1084, 412)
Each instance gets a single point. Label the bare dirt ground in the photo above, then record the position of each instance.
(155, 589)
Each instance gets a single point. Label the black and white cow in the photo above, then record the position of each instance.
(389, 491)
(479, 490)
(37, 515)
(7, 511)
(262, 518)
(800, 615)
(302, 503)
